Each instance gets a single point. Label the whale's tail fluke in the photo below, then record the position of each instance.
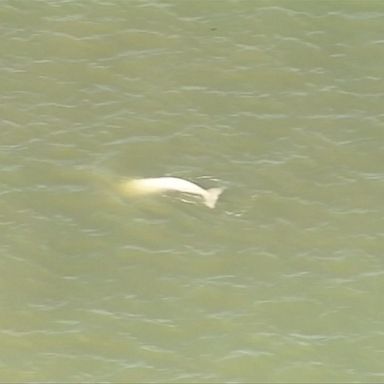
(211, 196)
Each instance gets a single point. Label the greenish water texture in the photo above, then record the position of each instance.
(280, 102)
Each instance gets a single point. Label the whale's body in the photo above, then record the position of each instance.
(163, 184)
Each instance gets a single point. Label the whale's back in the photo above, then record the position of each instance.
(162, 184)
(143, 186)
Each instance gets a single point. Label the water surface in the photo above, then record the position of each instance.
(280, 103)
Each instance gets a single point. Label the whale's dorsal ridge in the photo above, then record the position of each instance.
(168, 183)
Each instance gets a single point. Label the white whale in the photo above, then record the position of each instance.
(163, 184)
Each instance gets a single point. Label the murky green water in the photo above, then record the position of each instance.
(281, 102)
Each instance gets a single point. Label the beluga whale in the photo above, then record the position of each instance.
(164, 184)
